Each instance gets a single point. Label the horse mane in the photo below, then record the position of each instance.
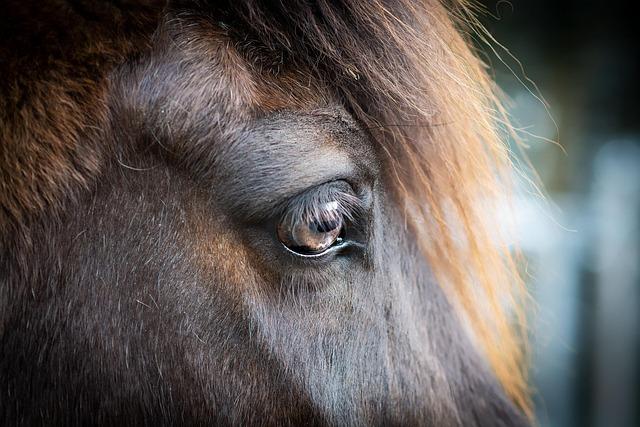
(404, 69)
(407, 71)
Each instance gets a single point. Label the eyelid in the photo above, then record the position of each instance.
(310, 256)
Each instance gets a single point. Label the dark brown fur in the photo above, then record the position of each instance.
(140, 283)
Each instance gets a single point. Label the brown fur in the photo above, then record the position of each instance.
(53, 98)
(410, 78)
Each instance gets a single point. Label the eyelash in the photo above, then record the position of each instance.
(308, 206)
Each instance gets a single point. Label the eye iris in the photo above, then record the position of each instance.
(311, 236)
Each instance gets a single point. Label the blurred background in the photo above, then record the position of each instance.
(583, 242)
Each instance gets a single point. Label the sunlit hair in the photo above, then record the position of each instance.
(407, 71)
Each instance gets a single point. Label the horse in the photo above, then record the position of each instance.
(258, 213)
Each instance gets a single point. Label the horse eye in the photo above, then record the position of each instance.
(312, 234)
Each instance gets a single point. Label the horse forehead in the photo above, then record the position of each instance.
(196, 83)
(195, 66)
